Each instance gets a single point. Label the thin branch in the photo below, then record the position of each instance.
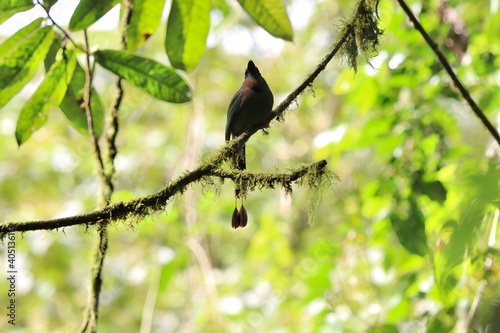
(87, 97)
(494, 229)
(113, 123)
(64, 32)
(344, 36)
(475, 302)
(156, 202)
(112, 132)
(279, 110)
(113, 127)
(463, 91)
(91, 313)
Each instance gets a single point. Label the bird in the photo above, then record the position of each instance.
(250, 106)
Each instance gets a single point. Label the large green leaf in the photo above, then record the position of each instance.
(145, 19)
(88, 12)
(11, 7)
(50, 93)
(270, 15)
(148, 75)
(187, 31)
(20, 56)
(72, 104)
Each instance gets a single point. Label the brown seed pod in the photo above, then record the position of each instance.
(235, 221)
(243, 216)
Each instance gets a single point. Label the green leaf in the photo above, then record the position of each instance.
(222, 6)
(410, 228)
(50, 93)
(148, 75)
(88, 12)
(387, 328)
(11, 7)
(54, 48)
(433, 189)
(20, 56)
(72, 104)
(145, 19)
(270, 15)
(187, 31)
(484, 189)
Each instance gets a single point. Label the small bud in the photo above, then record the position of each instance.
(243, 216)
(235, 221)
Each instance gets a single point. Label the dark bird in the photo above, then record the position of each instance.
(250, 106)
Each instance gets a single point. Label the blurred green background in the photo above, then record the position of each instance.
(402, 241)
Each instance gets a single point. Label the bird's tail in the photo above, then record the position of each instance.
(239, 163)
(240, 160)
(240, 217)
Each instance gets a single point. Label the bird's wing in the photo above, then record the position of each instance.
(233, 112)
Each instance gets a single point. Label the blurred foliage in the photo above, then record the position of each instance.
(404, 241)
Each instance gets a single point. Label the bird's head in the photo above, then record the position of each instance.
(252, 70)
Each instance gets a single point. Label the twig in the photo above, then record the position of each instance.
(475, 302)
(113, 126)
(463, 91)
(346, 32)
(494, 228)
(279, 110)
(151, 296)
(91, 313)
(87, 97)
(64, 32)
(113, 121)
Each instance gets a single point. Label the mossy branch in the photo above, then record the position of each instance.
(146, 205)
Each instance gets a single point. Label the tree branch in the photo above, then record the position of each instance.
(463, 91)
(87, 97)
(279, 110)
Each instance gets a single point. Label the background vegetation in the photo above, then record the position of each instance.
(403, 241)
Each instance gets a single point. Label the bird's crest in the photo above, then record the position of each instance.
(252, 70)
